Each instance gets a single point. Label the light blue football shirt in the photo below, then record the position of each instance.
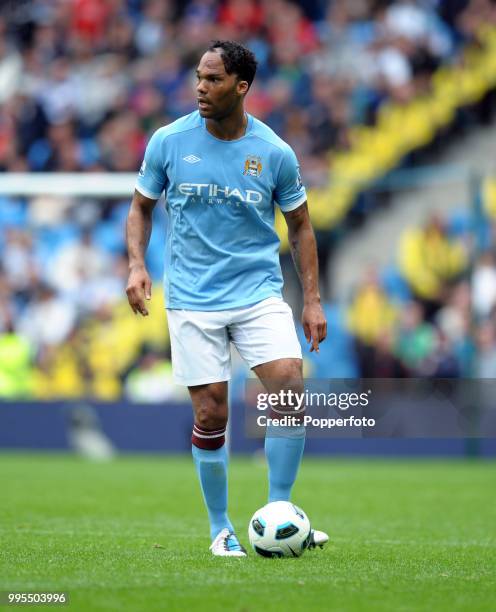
(221, 250)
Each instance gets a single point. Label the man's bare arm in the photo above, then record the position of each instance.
(138, 232)
(304, 252)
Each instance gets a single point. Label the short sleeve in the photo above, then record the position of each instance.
(289, 192)
(152, 178)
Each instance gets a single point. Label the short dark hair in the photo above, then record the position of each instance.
(237, 59)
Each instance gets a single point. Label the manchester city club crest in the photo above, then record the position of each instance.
(253, 166)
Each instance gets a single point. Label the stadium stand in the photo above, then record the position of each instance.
(355, 88)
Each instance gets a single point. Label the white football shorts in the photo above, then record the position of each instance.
(200, 340)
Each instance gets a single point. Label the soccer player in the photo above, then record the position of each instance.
(223, 171)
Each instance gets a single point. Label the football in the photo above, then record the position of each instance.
(279, 529)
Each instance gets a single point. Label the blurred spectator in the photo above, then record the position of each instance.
(58, 373)
(485, 360)
(416, 339)
(150, 380)
(10, 66)
(77, 262)
(48, 319)
(58, 97)
(371, 313)
(454, 318)
(371, 317)
(103, 287)
(21, 268)
(15, 364)
(429, 259)
(243, 18)
(443, 361)
(484, 285)
(48, 211)
(381, 361)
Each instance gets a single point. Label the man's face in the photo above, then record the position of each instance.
(218, 93)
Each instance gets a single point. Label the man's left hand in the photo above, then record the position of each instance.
(314, 324)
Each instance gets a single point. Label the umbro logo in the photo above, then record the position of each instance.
(192, 159)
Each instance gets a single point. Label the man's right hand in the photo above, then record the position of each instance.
(139, 288)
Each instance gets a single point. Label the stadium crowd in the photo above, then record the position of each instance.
(83, 85)
(431, 314)
(84, 82)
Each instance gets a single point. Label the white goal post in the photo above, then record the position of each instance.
(75, 184)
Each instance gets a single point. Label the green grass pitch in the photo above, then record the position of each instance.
(131, 534)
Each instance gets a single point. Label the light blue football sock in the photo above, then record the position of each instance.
(283, 449)
(211, 466)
